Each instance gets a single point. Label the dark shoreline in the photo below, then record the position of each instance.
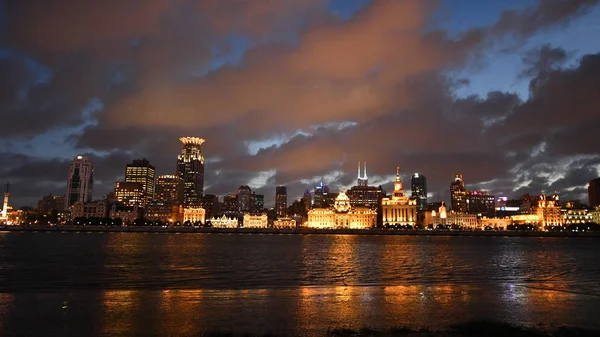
(299, 231)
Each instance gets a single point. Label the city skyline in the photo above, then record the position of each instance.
(502, 92)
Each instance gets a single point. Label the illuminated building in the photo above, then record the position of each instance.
(255, 221)
(480, 202)
(4, 214)
(158, 211)
(80, 181)
(342, 215)
(257, 203)
(495, 223)
(362, 194)
(130, 193)
(127, 214)
(362, 180)
(399, 210)
(284, 223)
(140, 171)
(576, 216)
(548, 211)
(194, 214)
(281, 201)
(190, 168)
(169, 189)
(224, 222)
(244, 197)
(51, 203)
(594, 193)
(443, 217)
(595, 215)
(418, 188)
(458, 194)
(93, 209)
(210, 203)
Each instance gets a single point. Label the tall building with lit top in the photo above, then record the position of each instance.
(362, 194)
(399, 210)
(458, 194)
(141, 172)
(190, 168)
(418, 188)
(362, 180)
(281, 201)
(80, 181)
(244, 196)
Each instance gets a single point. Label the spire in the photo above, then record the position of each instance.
(359, 169)
(365, 177)
(397, 172)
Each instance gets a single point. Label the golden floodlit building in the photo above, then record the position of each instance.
(342, 215)
(399, 209)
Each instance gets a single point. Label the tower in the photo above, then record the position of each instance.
(190, 168)
(398, 191)
(80, 181)
(4, 215)
(458, 194)
(362, 180)
(281, 201)
(419, 190)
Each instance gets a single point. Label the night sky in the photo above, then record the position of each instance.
(295, 92)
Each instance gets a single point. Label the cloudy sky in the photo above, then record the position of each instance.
(295, 92)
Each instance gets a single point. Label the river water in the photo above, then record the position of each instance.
(164, 284)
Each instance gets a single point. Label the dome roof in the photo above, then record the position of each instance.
(342, 197)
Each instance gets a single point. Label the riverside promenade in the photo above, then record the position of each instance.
(295, 231)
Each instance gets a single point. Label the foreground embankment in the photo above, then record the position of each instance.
(299, 231)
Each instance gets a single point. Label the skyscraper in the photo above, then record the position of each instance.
(190, 168)
(140, 171)
(281, 201)
(594, 193)
(362, 180)
(321, 196)
(169, 189)
(458, 194)
(80, 181)
(257, 204)
(419, 190)
(244, 197)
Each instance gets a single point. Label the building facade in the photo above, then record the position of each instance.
(167, 213)
(194, 214)
(51, 203)
(458, 195)
(284, 223)
(281, 201)
(480, 202)
(224, 222)
(93, 209)
(244, 196)
(141, 172)
(418, 189)
(256, 221)
(130, 193)
(576, 216)
(210, 203)
(342, 216)
(257, 203)
(190, 168)
(127, 214)
(169, 189)
(80, 181)
(399, 210)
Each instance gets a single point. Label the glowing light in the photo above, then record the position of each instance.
(192, 140)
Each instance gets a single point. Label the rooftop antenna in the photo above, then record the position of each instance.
(365, 170)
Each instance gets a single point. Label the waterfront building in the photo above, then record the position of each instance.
(342, 215)
(255, 221)
(194, 214)
(548, 211)
(169, 189)
(458, 194)
(224, 222)
(141, 172)
(130, 193)
(418, 189)
(284, 223)
(362, 194)
(594, 193)
(51, 203)
(480, 202)
(80, 181)
(576, 216)
(595, 215)
(443, 217)
(158, 211)
(92, 209)
(127, 214)
(495, 223)
(231, 206)
(399, 210)
(190, 168)
(4, 214)
(321, 196)
(281, 201)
